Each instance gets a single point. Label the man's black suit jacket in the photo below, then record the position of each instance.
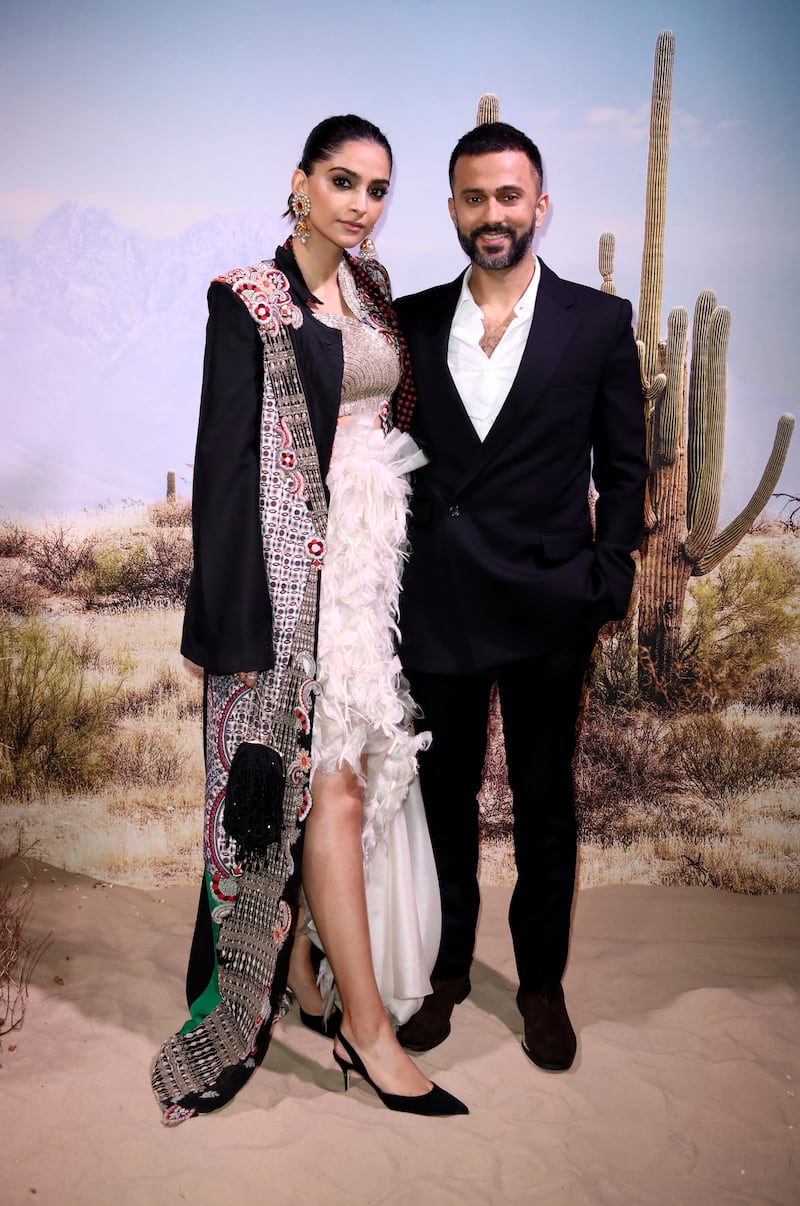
(503, 558)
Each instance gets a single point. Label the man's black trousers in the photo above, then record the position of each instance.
(539, 700)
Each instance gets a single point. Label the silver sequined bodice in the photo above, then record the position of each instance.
(371, 364)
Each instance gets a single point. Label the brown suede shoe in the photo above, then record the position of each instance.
(549, 1038)
(430, 1025)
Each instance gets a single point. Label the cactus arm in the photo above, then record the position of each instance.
(605, 262)
(652, 282)
(671, 411)
(710, 415)
(730, 536)
(704, 307)
(653, 392)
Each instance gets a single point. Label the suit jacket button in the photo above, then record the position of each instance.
(455, 511)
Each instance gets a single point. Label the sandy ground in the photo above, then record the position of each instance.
(684, 1090)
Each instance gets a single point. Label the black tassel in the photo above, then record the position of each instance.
(254, 797)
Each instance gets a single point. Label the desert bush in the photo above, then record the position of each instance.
(54, 721)
(173, 512)
(776, 687)
(769, 523)
(13, 539)
(732, 867)
(58, 557)
(19, 592)
(494, 801)
(139, 701)
(117, 573)
(86, 649)
(155, 570)
(149, 759)
(171, 558)
(724, 762)
(789, 511)
(614, 682)
(19, 954)
(620, 762)
(741, 619)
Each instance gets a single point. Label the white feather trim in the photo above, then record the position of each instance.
(364, 706)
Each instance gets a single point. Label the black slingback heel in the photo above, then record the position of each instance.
(437, 1103)
(320, 1024)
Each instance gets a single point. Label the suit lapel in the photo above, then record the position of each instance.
(551, 330)
(436, 382)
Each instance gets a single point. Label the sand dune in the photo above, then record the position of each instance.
(685, 999)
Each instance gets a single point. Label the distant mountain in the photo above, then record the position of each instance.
(101, 346)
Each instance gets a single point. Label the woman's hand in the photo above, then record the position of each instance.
(248, 677)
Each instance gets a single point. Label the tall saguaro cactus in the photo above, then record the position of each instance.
(685, 421)
(652, 283)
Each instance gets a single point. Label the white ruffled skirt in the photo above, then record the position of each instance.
(364, 706)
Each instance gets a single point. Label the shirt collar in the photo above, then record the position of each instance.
(522, 308)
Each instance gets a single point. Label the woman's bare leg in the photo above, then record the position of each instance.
(333, 881)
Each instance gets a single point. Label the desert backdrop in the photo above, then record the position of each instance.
(101, 766)
(146, 149)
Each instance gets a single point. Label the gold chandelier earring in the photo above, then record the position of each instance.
(301, 208)
(367, 249)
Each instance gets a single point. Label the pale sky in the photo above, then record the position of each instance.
(165, 112)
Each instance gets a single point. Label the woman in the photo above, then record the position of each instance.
(299, 350)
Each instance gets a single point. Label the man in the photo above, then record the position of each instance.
(526, 385)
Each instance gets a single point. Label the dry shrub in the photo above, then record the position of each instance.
(149, 759)
(86, 649)
(173, 512)
(732, 867)
(741, 619)
(776, 687)
(140, 701)
(19, 592)
(725, 762)
(620, 763)
(155, 570)
(152, 571)
(18, 954)
(54, 721)
(614, 682)
(621, 756)
(117, 574)
(13, 539)
(769, 523)
(171, 558)
(59, 558)
(789, 511)
(494, 800)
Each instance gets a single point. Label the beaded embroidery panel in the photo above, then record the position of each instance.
(255, 898)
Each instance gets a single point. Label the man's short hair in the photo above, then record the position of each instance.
(492, 137)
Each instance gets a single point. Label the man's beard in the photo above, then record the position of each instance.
(516, 251)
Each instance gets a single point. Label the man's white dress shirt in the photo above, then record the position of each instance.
(483, 381)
